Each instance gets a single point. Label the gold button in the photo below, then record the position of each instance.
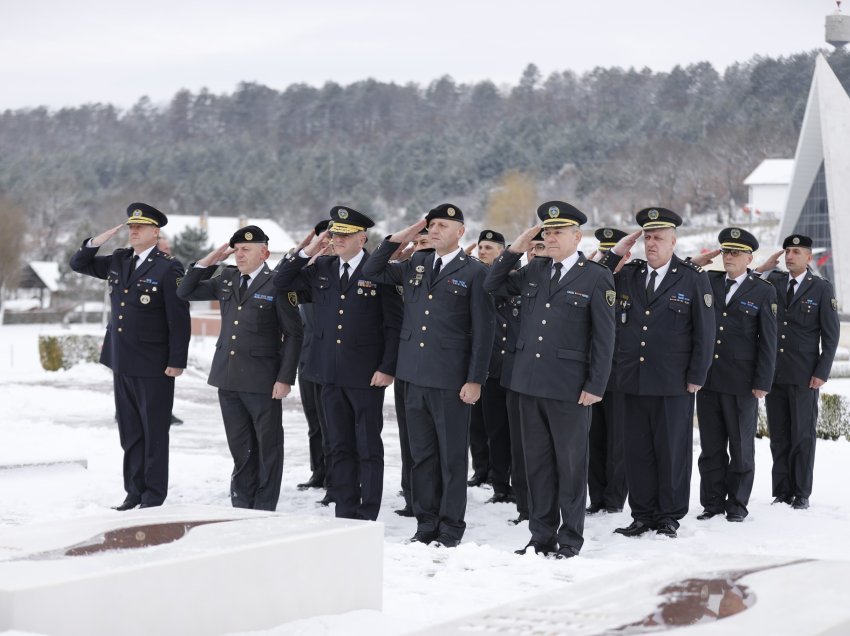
(122, 318)
(642, 344)
(542, 322)
(548, 305)
(126, 291)
(239, 308)
(340, 312)
(233, 353)
(647, 312)
(339, 341)
(537, 355)
(645, 327)
(430, 297)
(421, 344)
(721, 328)
(725, 314)
(718, 342)
(427, 312)
(540, 338)
(342, 296)
(122, 303)
(503, 338)
(716, 356)
(233, 337)
(641, 358)
(780, 351)
(235, 322)
(120, 329)
(503, 351)
(339, 326)
(505, 325)
(424, 328)
(783, 336)
(785, 323)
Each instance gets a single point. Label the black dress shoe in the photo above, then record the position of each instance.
(593, 508)
(149, 505)
(128, 504)
(326, 500)
(315, 481)
(566, 552)
(786, 499)
(407, 511)
(477, 480)
(734, 518)
(611, 510)
(502, 497)
(175, 420)
(423, 536)
(538, 547)
(522, 517)
(446, 541)
(800, 503)
(705, 515)
(634, 529)
(667, 530)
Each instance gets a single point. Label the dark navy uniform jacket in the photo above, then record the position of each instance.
(666, 344)
(745, 343)
(566, 338)
(808, 329)
(447, 334)
(150, 325)
(355, 329)
(260, 338)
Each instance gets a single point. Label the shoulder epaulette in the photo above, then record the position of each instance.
(692, 265)
(635, 262)
(762, 279)
(597, 263)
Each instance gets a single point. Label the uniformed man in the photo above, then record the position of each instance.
(606, 477)
(444, 352)
(808, 328)
(740, 375)
(493, 396)
(355, 344)
(665, 338)
(561, 366)
(146, 345)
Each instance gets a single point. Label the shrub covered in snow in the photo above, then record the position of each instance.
(64, 351)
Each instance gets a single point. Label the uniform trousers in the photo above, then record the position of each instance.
(355, 420)
(403, 441)
(792, 415)
(726, 479)
(659, 439)
(478, 447)
(606, 479)
(253, 424)
(555, 439)
(518, 475)
(313, 411)
(438, 430)
(143, 408)
(495, 409)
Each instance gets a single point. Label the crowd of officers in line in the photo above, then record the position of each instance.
(564, 377)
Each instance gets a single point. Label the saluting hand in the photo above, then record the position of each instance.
(523, 241)
(403, 252)
(705, 259)
(409, 233)
(280, 390)
(470, 248)
(100, 239)
(772, 262)
(625, 244)
(218, 254)
(318, 244)
(305, 241)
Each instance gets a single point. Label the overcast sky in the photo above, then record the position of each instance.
(60, 53)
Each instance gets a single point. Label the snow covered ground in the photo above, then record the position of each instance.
(69, 414)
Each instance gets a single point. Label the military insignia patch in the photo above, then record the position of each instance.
(735, 233)
(653, 214)
(292, 297)
(399, 290)
(343, 214)
(834, 303)
(420, 268)
(607, 233)
(248, 236)
(773, 308)
(796, 240)
(179, 279)
(708, 299)
(451, 212)
(489, 235)
(610, 297)
(554, 212)
(144, 299)
(137, 213)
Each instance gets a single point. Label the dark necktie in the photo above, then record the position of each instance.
(729, 283)
(133, 262)
(438, 264)
(556, 277)
(650, 286)
(243, 287)
(790, 295)
(343, 280)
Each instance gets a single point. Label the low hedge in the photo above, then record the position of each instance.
(64, 351)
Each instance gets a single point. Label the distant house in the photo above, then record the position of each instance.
(768, 188)
(37, 283)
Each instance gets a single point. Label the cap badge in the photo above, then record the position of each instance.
(343, 214)
(420, 268)
(796, 240)
(653, 214)
(144, 299)
(137, 213)
(489, 235)
(735, 233)
(248, 236)
(554, 212)
(607, 233)
(451, 212)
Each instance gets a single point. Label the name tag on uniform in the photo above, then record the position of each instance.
(681, 298)
(748, 305)
(366, 283)
(264, 297)
(457, 282)
(578, 293)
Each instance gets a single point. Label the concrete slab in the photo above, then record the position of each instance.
(185, 569)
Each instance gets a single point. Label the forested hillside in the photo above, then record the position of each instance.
(610, 140)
